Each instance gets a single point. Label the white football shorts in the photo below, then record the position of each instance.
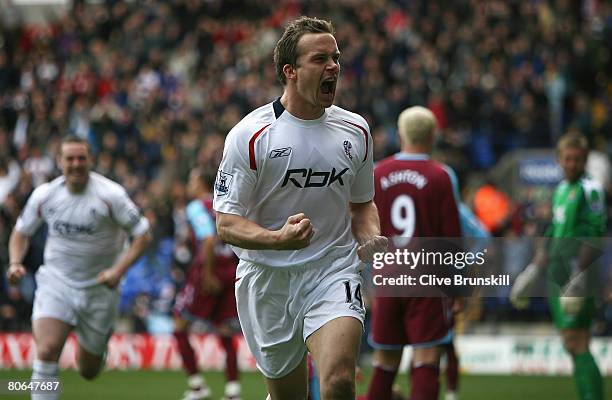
(92, 310)
(280, 307)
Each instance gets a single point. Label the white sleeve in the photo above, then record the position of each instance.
(127, 215)
(362, 190)
(31, 218)
(235, 179)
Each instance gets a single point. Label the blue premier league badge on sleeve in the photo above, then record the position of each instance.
(223, 183)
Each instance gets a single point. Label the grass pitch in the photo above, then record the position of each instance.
(169, 385)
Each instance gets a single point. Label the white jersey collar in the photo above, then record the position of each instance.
(303, 122)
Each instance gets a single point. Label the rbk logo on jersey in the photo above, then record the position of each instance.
(223, 183)
(305, 178)
(284, 152)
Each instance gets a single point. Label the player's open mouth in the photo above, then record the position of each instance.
(328, 86)
(77, 173)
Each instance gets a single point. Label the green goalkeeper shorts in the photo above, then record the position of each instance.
(563, 320)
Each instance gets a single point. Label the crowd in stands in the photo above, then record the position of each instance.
(156, 85)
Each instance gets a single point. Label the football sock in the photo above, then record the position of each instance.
(452, 369)
(231, 358)
(588, 378)
(232, 389)
(196, 382)
(425, 383)
(47, 370)
(381, 384)
(187, 353)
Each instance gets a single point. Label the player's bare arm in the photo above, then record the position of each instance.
(111, 276)
(210, 282)
(241, 232)
(365, 224)
(18, 246)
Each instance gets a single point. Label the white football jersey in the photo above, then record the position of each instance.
(86, 231)
(276, 165)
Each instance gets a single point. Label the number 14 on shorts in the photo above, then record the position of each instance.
(349, 294)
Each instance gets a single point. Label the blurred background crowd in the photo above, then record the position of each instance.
(156, 85)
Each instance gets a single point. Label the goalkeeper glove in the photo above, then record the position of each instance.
(576, 286)
(522, 286)
(571, 305)
(572, 296)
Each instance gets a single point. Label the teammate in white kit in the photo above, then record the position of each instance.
(294, 197)
(88, 218)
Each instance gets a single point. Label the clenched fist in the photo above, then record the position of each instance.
(376, 244)
(15, 272)
(296, 233)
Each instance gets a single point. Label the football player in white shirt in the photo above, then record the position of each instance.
(89, 218)
(294, 198)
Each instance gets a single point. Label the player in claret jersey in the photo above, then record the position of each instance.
(578, 208)
(414, 196)
(294, 197)
(208, 293)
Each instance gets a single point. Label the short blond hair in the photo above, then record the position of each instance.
(416, 125)
(573, 140)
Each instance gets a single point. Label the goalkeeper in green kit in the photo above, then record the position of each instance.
(570, 254)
